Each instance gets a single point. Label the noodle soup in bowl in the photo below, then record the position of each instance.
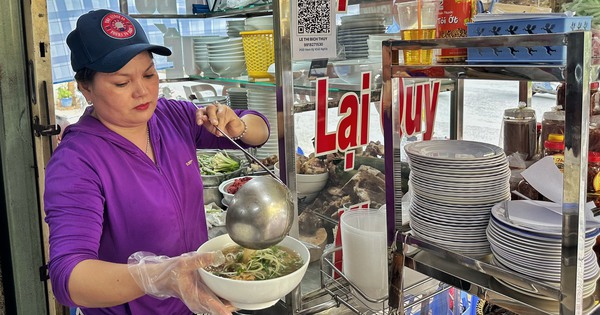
(254, 294)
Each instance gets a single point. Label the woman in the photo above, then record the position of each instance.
(124, 183)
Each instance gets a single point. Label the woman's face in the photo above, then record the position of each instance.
(127, 97)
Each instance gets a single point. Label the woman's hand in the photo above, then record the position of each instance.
(222, 116)
(163, 277)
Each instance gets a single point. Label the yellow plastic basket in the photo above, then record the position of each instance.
(259, 52)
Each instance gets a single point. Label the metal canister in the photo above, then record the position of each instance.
(453, 17)
(519, 131)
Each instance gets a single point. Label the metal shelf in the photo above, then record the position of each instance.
(478, 276)
(243, 12)
(524, 71)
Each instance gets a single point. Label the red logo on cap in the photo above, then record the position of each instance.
(117, 26)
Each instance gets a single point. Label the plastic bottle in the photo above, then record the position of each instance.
(593, 177)
(594, 98)
(555, 147)
(172, 40)
(553, 122)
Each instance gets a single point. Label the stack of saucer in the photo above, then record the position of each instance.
(238, 98)
(264, 101)
(354, 32)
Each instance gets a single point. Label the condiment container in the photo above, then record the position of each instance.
(593, 174)
(560, 96)
(528, 191)
(594, 133)
(553, 122)
(519, 129)
(555, 147)
(594, 98)
(452, 20)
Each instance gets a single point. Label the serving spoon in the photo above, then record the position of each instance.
(261, 212)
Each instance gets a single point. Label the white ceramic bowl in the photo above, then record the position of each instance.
(350, 70)
(228, 67)
(224, 49)
(308, 186)
(223, 189)
(253, 295)
(229, 54)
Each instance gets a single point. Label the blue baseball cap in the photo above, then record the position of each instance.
(105, 41)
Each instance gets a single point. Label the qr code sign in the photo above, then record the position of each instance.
(314, 16)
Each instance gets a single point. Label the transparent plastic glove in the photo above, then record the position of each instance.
(163, 277)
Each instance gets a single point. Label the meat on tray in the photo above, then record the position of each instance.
(237, 184)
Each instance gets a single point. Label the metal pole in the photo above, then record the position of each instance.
(577, 110)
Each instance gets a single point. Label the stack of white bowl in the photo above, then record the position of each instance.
(226, 57)
(265, 102)
(238, 98)
(259, 23)
(374, 44)
(234, 27)
(201, 52)
(356, 29)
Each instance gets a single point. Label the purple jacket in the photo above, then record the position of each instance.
(105, 199)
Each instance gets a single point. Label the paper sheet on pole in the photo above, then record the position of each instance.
(313, 29)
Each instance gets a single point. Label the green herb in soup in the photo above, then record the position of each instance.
(246, 264)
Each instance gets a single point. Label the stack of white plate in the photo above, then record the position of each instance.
(201, 52)
(525, 237)
(226, 57)
(354, 32)
(234, 27)
(265, 102)
(455, 184)
(238, 98)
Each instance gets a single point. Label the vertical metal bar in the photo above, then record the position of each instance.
(284, 90)
(393, 166)
(525, 92)
(285, 97)
(457, 110)
(575, 170)
(386, 111)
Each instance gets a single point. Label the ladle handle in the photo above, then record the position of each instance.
(252, 157)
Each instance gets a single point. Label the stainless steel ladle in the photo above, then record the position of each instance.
(261, 212)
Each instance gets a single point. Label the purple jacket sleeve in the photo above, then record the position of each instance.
(74, 211)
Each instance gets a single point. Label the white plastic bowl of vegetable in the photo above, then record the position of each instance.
(253, 294)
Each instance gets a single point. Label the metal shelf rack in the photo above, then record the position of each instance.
(478, 276)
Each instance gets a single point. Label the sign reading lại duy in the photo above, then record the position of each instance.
(352, 130)
(417, 104)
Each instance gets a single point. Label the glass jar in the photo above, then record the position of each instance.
(593, 174)
(555, 147)
(560, 96)
(594, 98)
(594, 133)
(519, 131)
(528, 191)
(553, 122)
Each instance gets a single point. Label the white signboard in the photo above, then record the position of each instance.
(313, 29)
